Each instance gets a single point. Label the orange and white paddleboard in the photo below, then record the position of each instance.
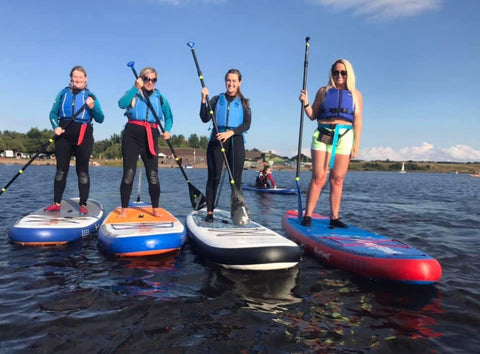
(141, 233)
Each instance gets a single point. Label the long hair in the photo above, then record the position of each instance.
(245, 102)
(77, 68)
(350, 79)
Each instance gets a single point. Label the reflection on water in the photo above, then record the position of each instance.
(53, 298)
(270, 296)
(150, 276)
(345, 313)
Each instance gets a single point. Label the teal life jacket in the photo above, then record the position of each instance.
(229, 115)
(140, 110)
(337, 104)
(70, 103)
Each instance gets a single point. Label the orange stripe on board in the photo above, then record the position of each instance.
(146, 253)
(58, 243)
(139, 214)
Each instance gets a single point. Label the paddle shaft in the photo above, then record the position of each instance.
(42, 149)
(300, 133)
(212, 116)
(302, 108)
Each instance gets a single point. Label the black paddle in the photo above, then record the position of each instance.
(297, 179)
(196, 197)
(239, 210)
(43, 148)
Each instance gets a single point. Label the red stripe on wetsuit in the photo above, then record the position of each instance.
(148, 126)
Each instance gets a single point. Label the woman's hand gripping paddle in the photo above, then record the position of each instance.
(239, 209)
(197, 199)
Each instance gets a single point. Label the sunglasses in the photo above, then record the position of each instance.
(147, 80)
(336, 73)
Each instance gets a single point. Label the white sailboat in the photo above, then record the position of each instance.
(403, 168)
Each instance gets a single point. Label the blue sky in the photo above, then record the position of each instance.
(416, 63)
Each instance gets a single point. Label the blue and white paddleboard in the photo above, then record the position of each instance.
(247, 247)
(278, 190)
(57, 227)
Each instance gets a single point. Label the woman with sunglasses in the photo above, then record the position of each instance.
(233, 116)
(141, 134)
(337, 108)
(71, 118)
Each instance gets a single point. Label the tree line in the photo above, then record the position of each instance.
(32, 141)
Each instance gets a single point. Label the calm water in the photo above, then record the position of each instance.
(76, 299)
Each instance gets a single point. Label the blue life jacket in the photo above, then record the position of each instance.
(70, 103)
(139, 110)
(229, 115)
(337, 104)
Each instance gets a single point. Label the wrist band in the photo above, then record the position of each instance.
(308, 104)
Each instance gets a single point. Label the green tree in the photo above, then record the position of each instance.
(194, 141)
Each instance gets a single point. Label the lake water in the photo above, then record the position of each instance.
(76, 299)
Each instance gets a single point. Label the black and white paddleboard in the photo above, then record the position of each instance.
(42, 227)
(248, 247)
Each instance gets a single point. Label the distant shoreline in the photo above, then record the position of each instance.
(411, 166)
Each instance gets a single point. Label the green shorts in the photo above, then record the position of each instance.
(344, 146)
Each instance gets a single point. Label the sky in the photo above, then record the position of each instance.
(415, 62)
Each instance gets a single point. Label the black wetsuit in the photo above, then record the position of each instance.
(234, 150)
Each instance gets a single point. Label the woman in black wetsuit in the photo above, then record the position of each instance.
(233, 115)
(74, 138)
(141, 134)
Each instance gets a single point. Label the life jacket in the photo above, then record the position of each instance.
(139, 109)
(337, 104)
(229, 115)
(70, 104)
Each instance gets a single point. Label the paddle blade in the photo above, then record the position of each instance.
(196, 197)
(239, 210)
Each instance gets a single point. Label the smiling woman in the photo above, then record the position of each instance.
(71, 116)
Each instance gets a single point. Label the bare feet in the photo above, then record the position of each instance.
(124, 213)
(156, 212)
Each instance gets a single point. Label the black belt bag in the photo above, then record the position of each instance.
(325, 136)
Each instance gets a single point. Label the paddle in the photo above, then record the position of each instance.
(43, 148)
(239, 210)
(297, 179)
(196, 197)
(139, 185)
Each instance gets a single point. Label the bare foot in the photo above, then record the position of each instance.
(123, 213)
(156, 212)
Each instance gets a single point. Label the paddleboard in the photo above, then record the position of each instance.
(42, 228)
(248, 247)
(278, 190)
(362, 252)
(141, 233)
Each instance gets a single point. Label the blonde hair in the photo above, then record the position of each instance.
(350, 79)
(148, 70)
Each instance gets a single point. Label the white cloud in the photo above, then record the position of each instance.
(425, 152)
(383, 9)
